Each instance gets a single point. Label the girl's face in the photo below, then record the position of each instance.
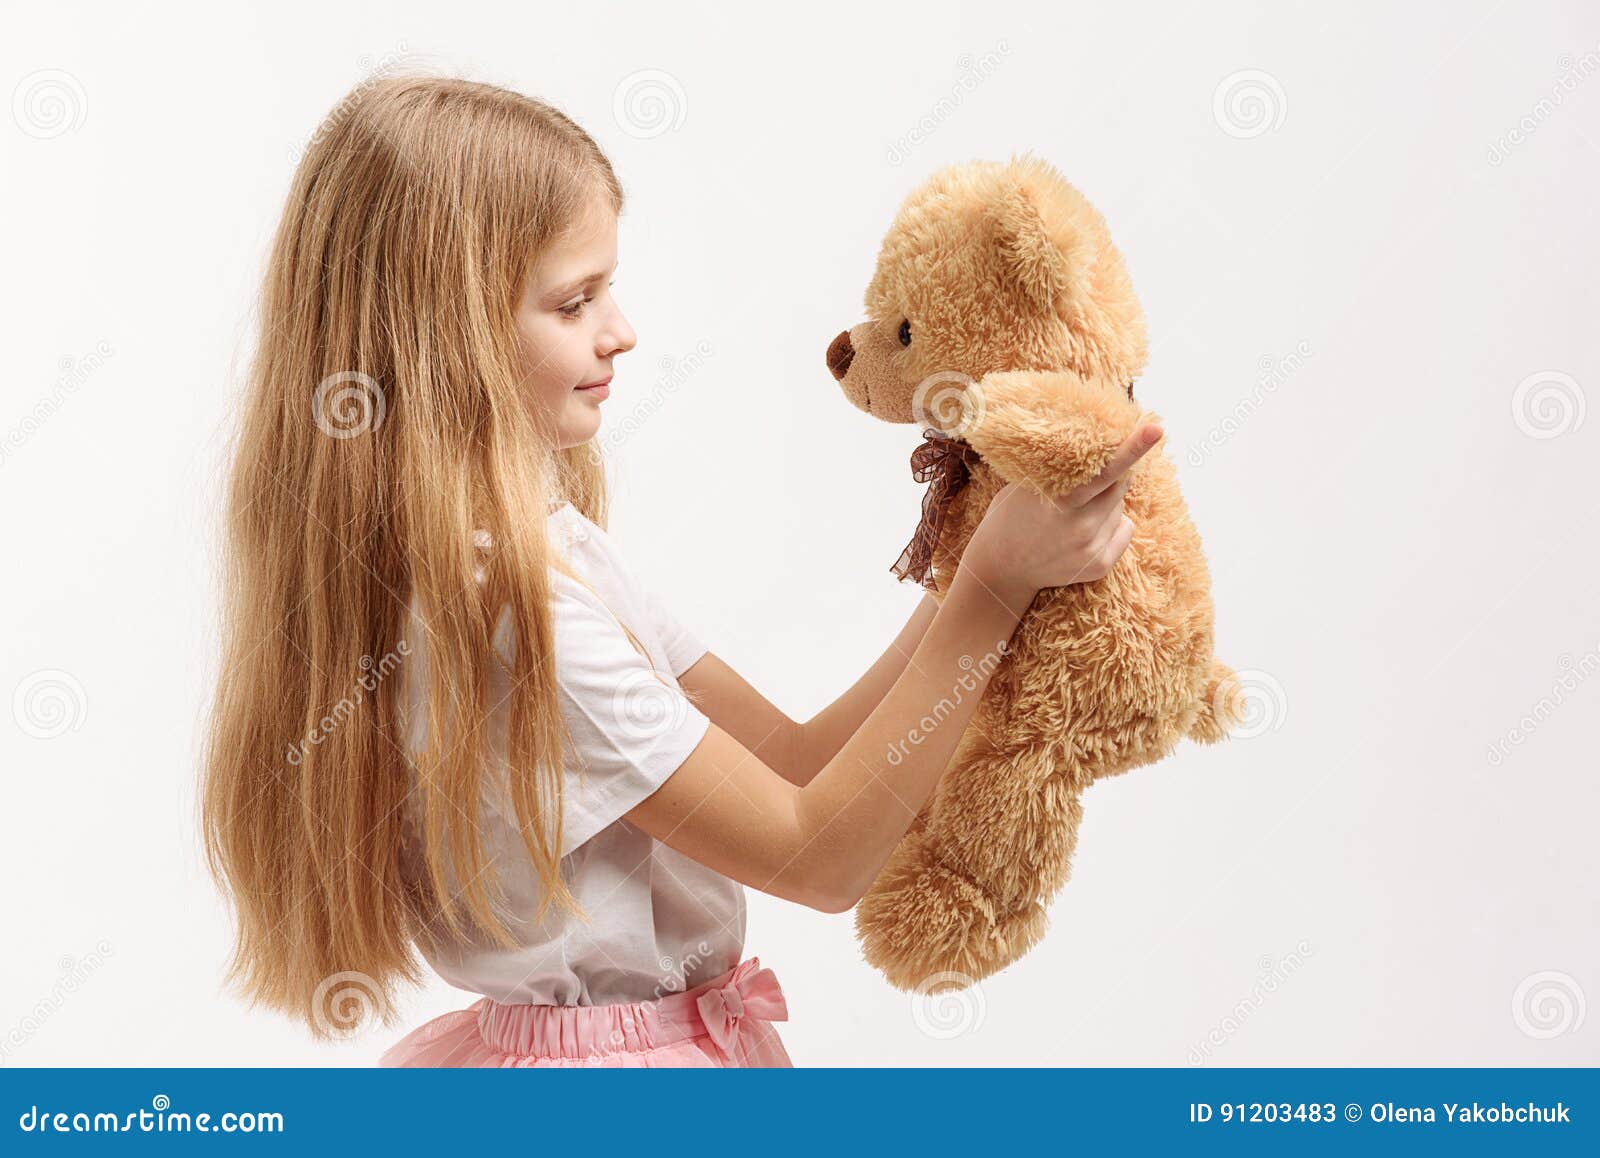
(572, 328)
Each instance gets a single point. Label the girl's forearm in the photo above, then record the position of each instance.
(856, 809)
(821, 737)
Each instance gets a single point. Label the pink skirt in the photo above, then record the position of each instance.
(725, 1022)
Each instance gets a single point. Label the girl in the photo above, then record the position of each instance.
(450, 720)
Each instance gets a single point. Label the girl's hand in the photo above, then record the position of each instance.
(1027, 542)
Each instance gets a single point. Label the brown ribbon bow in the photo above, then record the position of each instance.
(945, 463)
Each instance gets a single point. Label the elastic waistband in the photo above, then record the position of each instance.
(715, 1008)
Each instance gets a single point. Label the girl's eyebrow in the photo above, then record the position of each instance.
(579, 283)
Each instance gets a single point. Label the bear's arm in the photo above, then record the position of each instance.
(1049, 430)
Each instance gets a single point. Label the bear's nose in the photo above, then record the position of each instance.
(840, 354)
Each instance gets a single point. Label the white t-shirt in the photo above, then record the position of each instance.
(659, 922)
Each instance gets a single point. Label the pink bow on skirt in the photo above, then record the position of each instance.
(750, 992)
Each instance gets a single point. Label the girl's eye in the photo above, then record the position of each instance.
(576, 308)
(905, 332)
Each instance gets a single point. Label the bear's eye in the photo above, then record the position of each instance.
(905, 332)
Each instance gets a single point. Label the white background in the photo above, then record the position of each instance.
(1403, 545)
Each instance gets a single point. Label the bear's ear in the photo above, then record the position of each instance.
(1044, 266)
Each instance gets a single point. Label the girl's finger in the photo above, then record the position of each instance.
(1120, 538)
(1131, 451)
(1108, 503)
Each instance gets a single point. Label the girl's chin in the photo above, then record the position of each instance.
(580, 430)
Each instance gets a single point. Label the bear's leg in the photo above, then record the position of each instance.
(1221, 705)
(965, 892)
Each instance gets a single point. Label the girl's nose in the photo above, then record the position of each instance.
(620, 337)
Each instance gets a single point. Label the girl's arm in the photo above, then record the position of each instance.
(823, 844)
(798, 751)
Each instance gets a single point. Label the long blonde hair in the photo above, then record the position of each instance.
(384, 424)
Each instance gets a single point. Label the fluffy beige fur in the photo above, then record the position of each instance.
(1025, 340)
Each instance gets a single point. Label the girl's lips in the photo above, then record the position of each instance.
(601, 390)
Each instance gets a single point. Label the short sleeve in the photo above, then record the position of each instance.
(629, 729)
(682, 646)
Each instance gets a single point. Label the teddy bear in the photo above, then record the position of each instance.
(1001, 318)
